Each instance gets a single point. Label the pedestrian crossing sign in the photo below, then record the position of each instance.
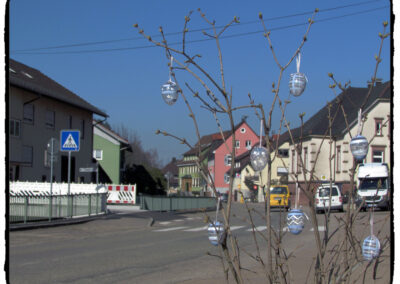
(69, 140)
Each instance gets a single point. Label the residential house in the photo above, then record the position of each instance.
(109, 151)
(38, 109)
(171, 174)
(190, 178)
(315, 147)
(245, 139)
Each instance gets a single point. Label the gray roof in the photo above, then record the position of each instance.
(33, 80)
(351, 100)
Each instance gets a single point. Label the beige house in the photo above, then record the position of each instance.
(38, 109)
(316, 145)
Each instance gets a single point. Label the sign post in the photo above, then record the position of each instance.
(69, 141)
(52, 150)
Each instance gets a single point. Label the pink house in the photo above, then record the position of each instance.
(220, 162)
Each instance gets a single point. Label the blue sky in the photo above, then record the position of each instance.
(124, 77)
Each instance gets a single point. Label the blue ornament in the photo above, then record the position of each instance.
(215, 232)
(359, 147)
(259, 158)
(297, 83)
(295, 221)
(169, 92)
(371, 247)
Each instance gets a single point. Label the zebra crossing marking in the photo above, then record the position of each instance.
(197, 229)
(170, 229)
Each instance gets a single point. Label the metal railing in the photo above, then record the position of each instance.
(164, 203)
(24, 208)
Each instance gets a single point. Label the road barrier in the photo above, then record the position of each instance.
(125, 194)
(165, 203)
(30, 208)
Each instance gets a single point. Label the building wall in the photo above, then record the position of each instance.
(37, 135)
(338, 169)
(242, 134)
(111, 154)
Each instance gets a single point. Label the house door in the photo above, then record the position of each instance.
(64, 169)
(187, 184)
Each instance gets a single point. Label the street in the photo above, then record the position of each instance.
(124, 248)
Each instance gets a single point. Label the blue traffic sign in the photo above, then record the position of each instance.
(69, 140)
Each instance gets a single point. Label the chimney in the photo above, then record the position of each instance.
(378, 81)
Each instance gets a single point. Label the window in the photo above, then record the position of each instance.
(293, 155)
(338, 159)
(298, 161)
(378, 154)
(305, 159)
(243, 130)
(98, 154)
(227, 178)
(82, 129)
(15, 127)
(283, 153)
(228, 160)
(248, 144)
(378, 126)
(237, 144)
(27, 154)
(70, 122)
(29, 113)
(50, 118)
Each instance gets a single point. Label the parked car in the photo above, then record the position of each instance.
(279, 196)
(322, 195)
(224, 197)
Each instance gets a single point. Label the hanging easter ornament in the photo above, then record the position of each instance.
(169, 90)
(216, 229)
(295, 218)
(298, 81)
(359, 144)
(371, 246)
(259, 156)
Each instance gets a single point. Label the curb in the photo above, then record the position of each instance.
(62, 222)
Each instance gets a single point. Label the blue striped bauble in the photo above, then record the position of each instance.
(169, 92)
(371, 247)
(215, 232)
(359, 147)
(297, 83)
(295, 221)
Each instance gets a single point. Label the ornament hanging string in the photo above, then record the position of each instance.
(170, 69)
(359, 123)
(216, 213)
(298, 59)
(261, 131)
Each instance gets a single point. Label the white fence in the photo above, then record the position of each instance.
(43, 188)
(125, 194)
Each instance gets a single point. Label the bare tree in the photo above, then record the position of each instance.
(337, 253)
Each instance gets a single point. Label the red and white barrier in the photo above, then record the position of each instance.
(125, 194)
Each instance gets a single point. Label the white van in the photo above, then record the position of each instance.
(322, 195)
(373, 188)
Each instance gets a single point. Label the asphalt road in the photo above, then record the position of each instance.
(123, 248)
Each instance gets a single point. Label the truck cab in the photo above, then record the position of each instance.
(373, 187)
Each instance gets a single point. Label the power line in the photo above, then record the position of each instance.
(195, 30)
(29, 51)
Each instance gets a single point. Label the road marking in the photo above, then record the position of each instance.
(170, 229)
(165, 223)
(236, 227)
(178, 220)
(320, 229)
(197, 229)
(259, 228)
